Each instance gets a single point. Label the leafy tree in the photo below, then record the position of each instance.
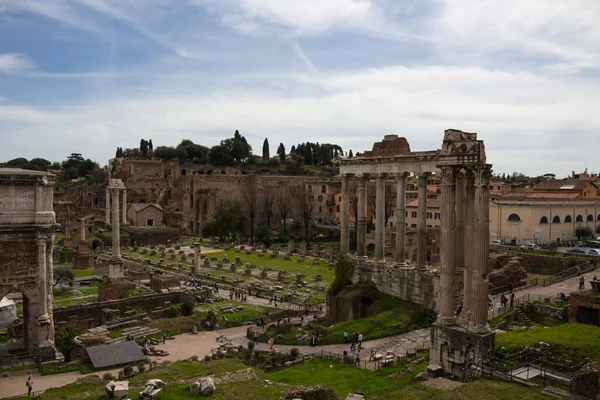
(40, 163)
(251, 201)
(229, 219)
(56, 166)
(119, 153)
(150, 145)
(268, 200)
(265, 151)
(263, 234)
(17, 162)
(181, 154)
(220, 155)
(281, 153)
(284, 205)
(195, 152)
(583, 232)
(350, 154)
(344, 268)
(73, 161)
(63, 274)
(306, 206)
(64, 342)
(165, 153)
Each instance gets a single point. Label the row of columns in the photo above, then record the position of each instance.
(107, 215)
(361, 223)
(464, 245)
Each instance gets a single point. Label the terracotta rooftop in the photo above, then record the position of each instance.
(577, 185)
(432, 203)
(567, 195)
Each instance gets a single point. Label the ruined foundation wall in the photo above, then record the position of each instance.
(410, 284)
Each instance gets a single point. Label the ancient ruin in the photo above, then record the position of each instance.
(27, 226)
(464, 237)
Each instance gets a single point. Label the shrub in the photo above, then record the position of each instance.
(141, 367)
(294, 352)
(128, 370)
(107, 376)
(187, 307)
(194, 358)
(250, 345)
(423, 316)
(173, 311)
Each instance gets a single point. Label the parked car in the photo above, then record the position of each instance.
(576, 250)
(529, 246)
(595, 252)
(496, 241)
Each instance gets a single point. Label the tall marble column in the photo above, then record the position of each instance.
(43, 316)
(197, 257)
(82, 229)
(68, 222)
(422, 222)
(116, 239)
(460, 221)
(480, 248)
(107, 207)
(344, 217)
(447, 288)
(380, 217)
(469, 197)
(401, 219)
(124, 210)
(361, 224)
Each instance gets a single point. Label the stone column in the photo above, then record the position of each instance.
(124, 210)
(82, 229)
(116, 246)
(197, 256)
(460, 221)
(43, 316)
(107, 206)
(401, 220)
(447, 288)
(422, 222)
(68, 222)
(344, 217)
(469, 197)
(361, 224)
(480, 246)
(380, 218)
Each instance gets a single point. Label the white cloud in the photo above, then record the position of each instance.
(12, 62)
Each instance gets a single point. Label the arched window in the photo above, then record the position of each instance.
(579, 219)
(323, 189)
(598, 217)
(556, 219)
(568, 219)
(543, 220)
(590, 218)
(514, 218)
(337, 208)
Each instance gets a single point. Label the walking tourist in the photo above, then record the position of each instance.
(345, 336)
(271, 342)
(29, 385)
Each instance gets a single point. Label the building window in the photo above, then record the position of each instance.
(323, 189)
(568, 219)
(437, 216)
(340, 199)
(579, 219)
(590, 218)
(543, 220)
(413, 214)
(309, 188)
(330, 210)
(413, 225)
(514, 218)
(429, 215)
(320, 209)
(337, 208)
(556, 219)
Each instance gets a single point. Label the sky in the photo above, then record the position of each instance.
(87, 76)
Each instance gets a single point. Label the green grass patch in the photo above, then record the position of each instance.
(391, 316)
(32, 367)
(80, 273)
(572, 341)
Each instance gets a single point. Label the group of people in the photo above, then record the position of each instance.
(238, 295)
(357, 339)
(505, 300)
(194, 282)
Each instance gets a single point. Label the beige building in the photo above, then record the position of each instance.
(541, 220)
(145, 214)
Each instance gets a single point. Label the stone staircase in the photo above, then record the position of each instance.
(136, 332)
(521, 316)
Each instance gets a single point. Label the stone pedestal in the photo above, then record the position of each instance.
(455, 349)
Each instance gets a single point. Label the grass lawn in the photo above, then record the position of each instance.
(574, 341)
(389, 383)
(80, 273)
(391, 316)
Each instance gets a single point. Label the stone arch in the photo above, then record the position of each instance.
(544, 220)
(568, 219)
(556, 219)
(590, 218)
(514, 218)
(579, 218)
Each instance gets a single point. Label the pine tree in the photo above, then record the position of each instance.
(281, 152)
(265, 154)
(150, 145)
(350, 154)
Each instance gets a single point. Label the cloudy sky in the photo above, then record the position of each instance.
(90, 75)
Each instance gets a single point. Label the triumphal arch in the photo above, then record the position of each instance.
(464, 238)
(27, 226)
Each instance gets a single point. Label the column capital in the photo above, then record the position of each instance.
(422, 175)
(448, 176)
(482, 175)
(401, 175)
(363, 176)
